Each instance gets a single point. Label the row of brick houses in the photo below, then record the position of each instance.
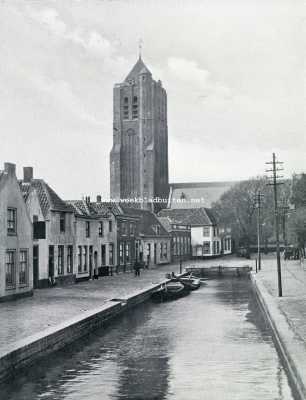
(49, 241)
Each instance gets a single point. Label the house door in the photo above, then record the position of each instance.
(155, 253)
(35, 266)
(96, 263)
(51, 262)
(103, 255)
(90, 261)
(200, 251)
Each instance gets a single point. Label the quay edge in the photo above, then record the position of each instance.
(290, 347)
(26, 351)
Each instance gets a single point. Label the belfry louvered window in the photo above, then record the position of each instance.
(126, 108)
(135, 107)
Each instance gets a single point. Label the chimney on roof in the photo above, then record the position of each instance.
(10, 168)
(99, 198)
(27, 174)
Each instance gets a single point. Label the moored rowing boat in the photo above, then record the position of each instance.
(170, 291)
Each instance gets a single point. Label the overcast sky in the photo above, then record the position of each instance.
(233, 71)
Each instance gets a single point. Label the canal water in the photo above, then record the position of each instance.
(212, 345)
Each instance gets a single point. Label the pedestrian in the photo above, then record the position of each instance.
(137, 268)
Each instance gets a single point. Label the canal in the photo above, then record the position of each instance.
(212, 344)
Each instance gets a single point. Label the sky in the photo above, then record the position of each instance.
(234, 73)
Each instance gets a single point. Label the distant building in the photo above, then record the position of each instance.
(207, 238)
(53, 232)
(16, 244)
(153, 244)
(196, 194)
(180, 233)
(139, 156)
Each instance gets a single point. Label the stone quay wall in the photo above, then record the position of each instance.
(27, 351)
(290, 348)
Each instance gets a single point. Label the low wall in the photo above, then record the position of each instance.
(138, 297)
(291, 349)
(26, 351)
(220, 271)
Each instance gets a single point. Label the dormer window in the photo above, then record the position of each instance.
(135, 107)
(126, 108)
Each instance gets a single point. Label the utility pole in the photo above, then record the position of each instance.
(258, 206)
(275, 183)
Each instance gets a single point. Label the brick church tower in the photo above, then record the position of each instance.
(139, 156)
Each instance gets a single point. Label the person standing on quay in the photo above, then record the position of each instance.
(137, 268)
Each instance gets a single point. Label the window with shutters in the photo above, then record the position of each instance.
(10, 269)
(60, 258)
(69, 259)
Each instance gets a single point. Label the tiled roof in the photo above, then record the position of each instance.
(147, 221)
(82, 208)
(196, 194)
(101, 209)
(190, 216)
(47, 197)
(112, 206)
(25, 189)
(166, 223)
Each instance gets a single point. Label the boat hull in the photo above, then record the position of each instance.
(169, 292)
(191, 284)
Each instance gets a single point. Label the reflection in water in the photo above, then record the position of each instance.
(213, 344)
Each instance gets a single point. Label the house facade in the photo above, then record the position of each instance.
(206, 241)
(53, 232)
(127, 229)
(153, 244)
(180, 238)
(16, 268)
(95, 239)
